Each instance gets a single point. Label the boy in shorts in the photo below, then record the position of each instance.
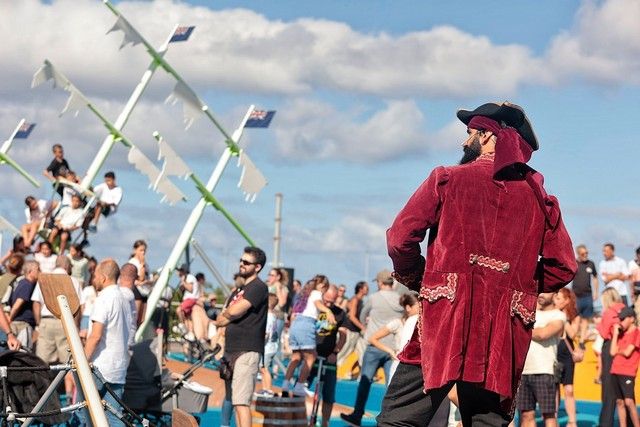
(271, 348)
(625, 349)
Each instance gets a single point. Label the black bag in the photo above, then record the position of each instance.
(558, 369)
(227, 362)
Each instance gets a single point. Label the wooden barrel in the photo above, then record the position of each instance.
(279, 411)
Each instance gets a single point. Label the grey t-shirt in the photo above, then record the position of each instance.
(381, 308)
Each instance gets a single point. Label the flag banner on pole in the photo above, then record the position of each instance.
(173, 164)
(259, 119)
(251, 179)
(24, 131)
(191, 104)
(48, 72)
(76, 99)
(130, 34)
(181, 34)
(161, 184)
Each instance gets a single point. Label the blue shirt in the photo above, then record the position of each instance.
(23, 290)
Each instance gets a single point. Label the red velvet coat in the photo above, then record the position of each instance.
(482, 276)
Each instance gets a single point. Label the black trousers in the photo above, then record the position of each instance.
(405, 404)
(608, 389)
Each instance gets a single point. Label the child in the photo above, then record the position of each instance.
(270, 347)
(625, 350)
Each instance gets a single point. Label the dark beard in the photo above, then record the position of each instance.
(245, 274)
(472, 151)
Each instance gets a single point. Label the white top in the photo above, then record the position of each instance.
(110, 196)
(542, 354)
(89, 295)
(37, 294)
(195, 294)
(395, 327)
(70, 217)
(47, 264)
(67, 194)
(111, 355)
(131, 299)
(39, 213)
(615, 265)
(310, 310)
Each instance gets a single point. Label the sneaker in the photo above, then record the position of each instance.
(299, 390)
(351, 419)
(92, 228)
(180, 329)
(309, 392)
(264, 393)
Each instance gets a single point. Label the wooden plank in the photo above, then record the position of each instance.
(52, 285)
(180, 418)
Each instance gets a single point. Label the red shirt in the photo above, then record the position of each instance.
(609, 318)
(627, 365)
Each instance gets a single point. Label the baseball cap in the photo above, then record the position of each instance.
(384, 276)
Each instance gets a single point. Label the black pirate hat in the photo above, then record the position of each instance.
(511, 115)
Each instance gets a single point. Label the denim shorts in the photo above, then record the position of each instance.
(302, 333)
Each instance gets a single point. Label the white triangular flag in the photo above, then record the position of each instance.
(191, 104)
(144, 165)
(159, 183)
(173, 164)
(170, 192)
(130, 34)
(48, 72)
(251, 179)
(75, 101)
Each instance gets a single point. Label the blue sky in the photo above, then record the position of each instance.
(366, 94)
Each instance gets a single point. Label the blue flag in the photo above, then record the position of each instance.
(24, 130)
(181, 34)
(259, 119)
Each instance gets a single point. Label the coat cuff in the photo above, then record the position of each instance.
(412, 279)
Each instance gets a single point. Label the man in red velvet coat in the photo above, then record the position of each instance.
(496, 240)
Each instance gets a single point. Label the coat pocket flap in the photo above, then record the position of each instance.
(437, 285)
(524, 306)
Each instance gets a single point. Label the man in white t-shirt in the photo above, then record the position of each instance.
(614, 272)
(128, 275)
(538, 383)
(634, 275)
(69, 219)
(107, 346)
(109, 197)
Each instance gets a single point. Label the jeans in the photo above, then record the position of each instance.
(226, 412)
(405, 404)
(83, 417)
(373, 360)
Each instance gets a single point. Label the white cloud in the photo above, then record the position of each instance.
(242, 50)
(603, 46)
(313, 130)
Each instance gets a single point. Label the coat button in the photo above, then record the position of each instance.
(473, 259)
(505, 268)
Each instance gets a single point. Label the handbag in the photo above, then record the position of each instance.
(577, 354)
(227, 364)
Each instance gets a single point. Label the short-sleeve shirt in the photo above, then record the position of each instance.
(39, 213)
(23, 290)
(58, 168)
(111, 355)
(70, 217)
(628, 366)
(634, 271)
(271, 334)
(47, 263)
(195, 292)
(327, 334)
(542, 354)
(582, 282)
(110, 196)
(131, 299)
(612, 266)
(247, 332)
